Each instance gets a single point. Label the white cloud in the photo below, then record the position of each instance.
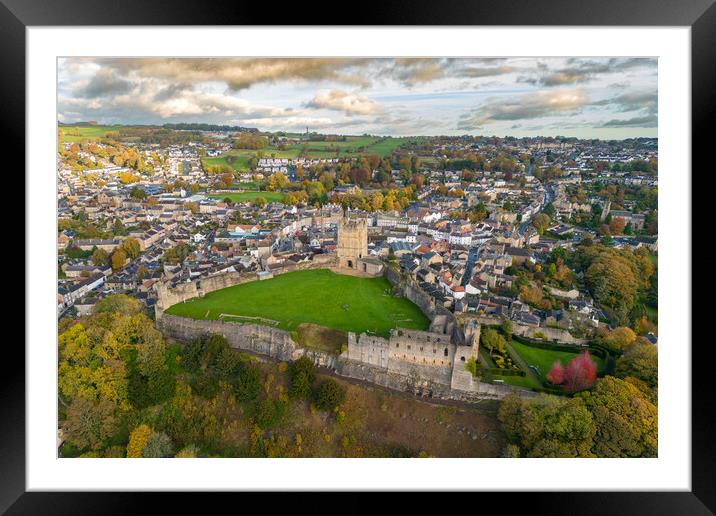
(349, 103)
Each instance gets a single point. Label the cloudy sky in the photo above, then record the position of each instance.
(584, 97)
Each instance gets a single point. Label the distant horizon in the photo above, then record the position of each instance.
(87, 123)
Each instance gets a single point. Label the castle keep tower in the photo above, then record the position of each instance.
(352, 242)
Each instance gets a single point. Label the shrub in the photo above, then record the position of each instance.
(188, 452)
(471, 365)
(330, 394)
(269, 413)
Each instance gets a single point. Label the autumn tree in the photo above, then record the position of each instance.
(541, 222)
(580, 373)
(614, 284)
(555, 376)
(625, 420)
(131, 247)
(119, 257)
(616, 226)
(100, 257)
(547, 426)
(619, 338)
(138, 440)
(90, 422)
(640, 360)
(227, 179)
(277, 182)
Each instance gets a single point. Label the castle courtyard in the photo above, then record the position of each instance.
(317, 296)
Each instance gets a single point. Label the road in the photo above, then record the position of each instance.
(471, 260)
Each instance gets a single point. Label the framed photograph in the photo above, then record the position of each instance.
(416, 256)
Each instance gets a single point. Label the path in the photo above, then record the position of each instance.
(524, 365)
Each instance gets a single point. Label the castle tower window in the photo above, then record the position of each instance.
(446, 351)
(462, 358)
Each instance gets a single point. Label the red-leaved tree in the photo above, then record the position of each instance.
(580, 373)
(556, 374)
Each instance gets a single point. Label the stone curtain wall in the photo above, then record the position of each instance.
(387, 362)
(412, 291)
(263, 340)
(552, 334)
(167, 297)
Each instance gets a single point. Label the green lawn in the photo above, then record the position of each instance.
(249, 196)
(84, 133)
(317, 296)
(545, 358)
(240, 163)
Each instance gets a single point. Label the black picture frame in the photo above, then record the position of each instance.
(700, 15)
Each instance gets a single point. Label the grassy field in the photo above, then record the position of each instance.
(241, 162)
(316, 296)
(543, 359)
(353, 147)
(85, 133)
(249, 196)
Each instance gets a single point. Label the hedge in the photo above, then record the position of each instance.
(496, 371)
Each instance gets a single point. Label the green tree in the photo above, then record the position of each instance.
(492, 341)
(302, 376)
(330, 394)
(247, 385)
(137, 193)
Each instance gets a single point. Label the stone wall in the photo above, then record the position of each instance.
(438, 314)
(167, 297)
(552, 334)
(255, 338)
